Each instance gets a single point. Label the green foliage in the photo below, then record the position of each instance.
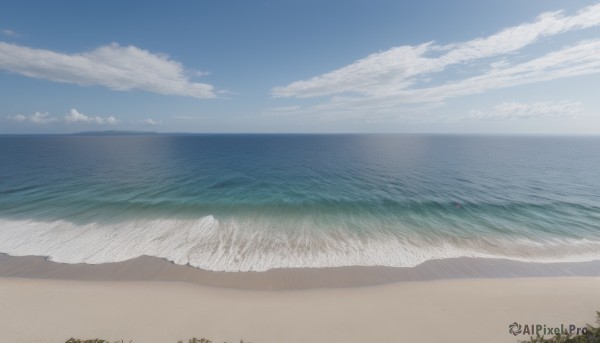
(592, 336)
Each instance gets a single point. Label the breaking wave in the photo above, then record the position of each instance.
(233, 245)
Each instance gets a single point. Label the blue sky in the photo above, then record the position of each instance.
(300, 66)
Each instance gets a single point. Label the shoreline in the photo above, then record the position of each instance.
(147, 268)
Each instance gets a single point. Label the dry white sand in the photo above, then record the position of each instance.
(461, 310)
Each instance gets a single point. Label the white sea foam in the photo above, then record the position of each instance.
(229, 245)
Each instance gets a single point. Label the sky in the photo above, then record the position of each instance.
(489, 67)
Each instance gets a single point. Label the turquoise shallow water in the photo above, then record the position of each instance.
(256, 202)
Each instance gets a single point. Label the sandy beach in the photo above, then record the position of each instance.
(151, 300)
(469, 310)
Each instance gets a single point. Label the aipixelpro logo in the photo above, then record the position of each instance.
(516, 329)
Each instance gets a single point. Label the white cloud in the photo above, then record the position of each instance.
(580, 59)
(395, 84)
(120, 68)
(388, 72)
(18, 117)
(73, 116)
(516, 110)
(9, 33)
(149, 121)
(41, 118)
(37, 118)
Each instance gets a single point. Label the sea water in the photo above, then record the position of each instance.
(257, 202)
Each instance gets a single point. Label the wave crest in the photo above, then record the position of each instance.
(233, 245)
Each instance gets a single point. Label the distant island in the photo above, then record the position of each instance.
(114, 133)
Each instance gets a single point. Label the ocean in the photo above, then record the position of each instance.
(243, 202)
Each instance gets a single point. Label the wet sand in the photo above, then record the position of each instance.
(156, 269)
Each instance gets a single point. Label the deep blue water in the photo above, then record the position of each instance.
(255, 202)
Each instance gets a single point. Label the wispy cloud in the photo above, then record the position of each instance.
(398, 68)
(149, 121)
(37, 118)
(580, 59)
(73, 116)
(120, 68)
(516, 110)
(9, 33)
(396, 80)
